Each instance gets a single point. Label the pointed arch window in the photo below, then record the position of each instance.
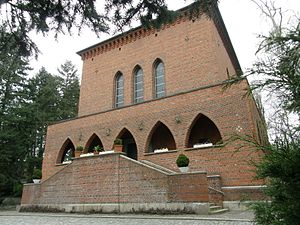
(161, 138)
(119, 90)
(67, 152)
(203, 132)
(138, 85)
(159, 79)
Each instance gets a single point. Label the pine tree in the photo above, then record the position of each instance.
(13, 136)
(69, 90)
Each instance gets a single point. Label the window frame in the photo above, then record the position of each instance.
(140, 90)
(157, 94)
(117, 98)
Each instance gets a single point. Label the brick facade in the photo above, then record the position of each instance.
(198, 57)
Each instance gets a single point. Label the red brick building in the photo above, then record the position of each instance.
(161, 92)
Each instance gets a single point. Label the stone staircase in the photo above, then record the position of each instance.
(216, 209)
(213, 207)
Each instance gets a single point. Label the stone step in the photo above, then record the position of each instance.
(214, 207)
(219, 211)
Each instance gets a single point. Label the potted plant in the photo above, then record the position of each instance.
(118, 145)
(97, 149)
(78, 151)
(36, 176)
(183, 163)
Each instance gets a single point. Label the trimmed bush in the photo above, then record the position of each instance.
(182, 161)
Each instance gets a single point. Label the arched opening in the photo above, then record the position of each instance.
(161, 138)
(129, 145)
(119, 90)
(159, 79)
(203, 132)
(138, 84)
(68, 151)
(92, 143)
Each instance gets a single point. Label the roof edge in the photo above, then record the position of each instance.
(181, 10)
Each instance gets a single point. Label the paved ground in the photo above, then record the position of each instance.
(230, 218)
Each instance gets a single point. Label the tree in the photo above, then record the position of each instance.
(23, 16)
(68, 104)
(13, 126)
(279, 70)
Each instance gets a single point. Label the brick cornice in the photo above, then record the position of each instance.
(126, 38)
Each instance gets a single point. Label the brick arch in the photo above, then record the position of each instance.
(156, 61)
(201, 130)
(67, 145)
(136, 67)
(162, 137)
(93, 141)
(129, 143)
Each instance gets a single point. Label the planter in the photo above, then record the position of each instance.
(161, 150)
(77, 154)
(106, 152)
(118, 148)
(36, 181)
(202, 145)
(184, 169)
(87, 154)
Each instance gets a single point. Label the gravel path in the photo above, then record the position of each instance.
(15, 218)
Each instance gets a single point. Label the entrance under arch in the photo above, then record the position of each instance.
(129, 145)
(93, 142)
(68, 151)
(203, 131)
(161, 138)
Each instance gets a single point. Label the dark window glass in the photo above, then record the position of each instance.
(119, 101)
(138, 86)
(159, 73)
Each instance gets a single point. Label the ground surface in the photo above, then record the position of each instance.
(231, 218)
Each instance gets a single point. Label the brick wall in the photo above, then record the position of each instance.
(228, 110)
(192, 51)
(115, 179)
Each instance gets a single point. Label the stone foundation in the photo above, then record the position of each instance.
(149, 208)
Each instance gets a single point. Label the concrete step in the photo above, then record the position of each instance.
(219, 211)
(214, 207)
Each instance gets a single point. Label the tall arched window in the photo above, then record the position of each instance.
(138, 85)
(119, 90)
(159, 76)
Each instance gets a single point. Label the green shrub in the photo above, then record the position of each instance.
(182, 161)
(37, 174)
(98, 148)
(118, 141)
(79, 148)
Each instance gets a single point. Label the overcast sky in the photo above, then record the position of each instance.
(242, 18)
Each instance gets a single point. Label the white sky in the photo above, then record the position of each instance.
(242, 18)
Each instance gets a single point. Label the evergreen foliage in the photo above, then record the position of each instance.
(27, 106)
(182, 160)
(281, 167)
(279, 71)
(22, 16)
